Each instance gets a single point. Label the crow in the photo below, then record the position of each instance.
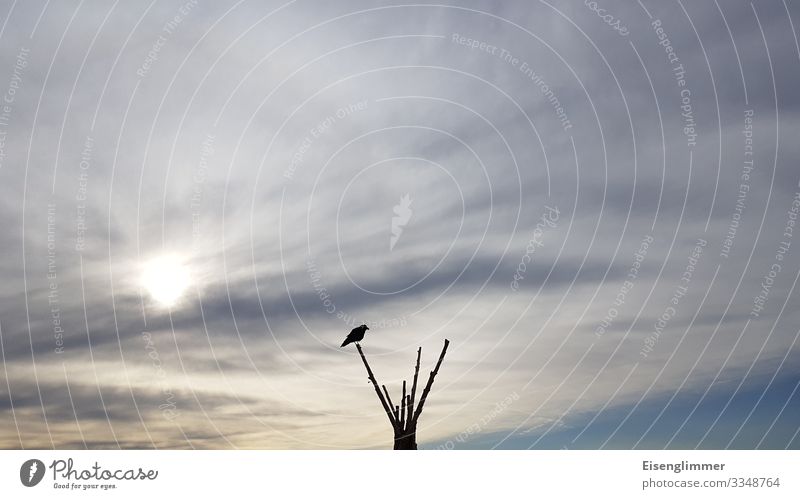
(355, 335)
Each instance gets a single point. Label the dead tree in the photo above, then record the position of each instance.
(404, 416)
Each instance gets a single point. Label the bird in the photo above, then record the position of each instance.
(356, 335)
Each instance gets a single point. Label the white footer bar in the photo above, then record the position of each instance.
(379, 474)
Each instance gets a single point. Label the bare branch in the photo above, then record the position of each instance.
(403, 408)
(392, 419)
(391, 404)
(414, 386)
(388, 398)
(430, 382)
(404, 417)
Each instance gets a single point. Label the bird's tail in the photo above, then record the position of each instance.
(345, 342)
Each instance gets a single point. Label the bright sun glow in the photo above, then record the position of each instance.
(166, 279)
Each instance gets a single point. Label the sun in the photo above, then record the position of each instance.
(166, 278)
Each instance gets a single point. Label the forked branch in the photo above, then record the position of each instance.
(430, 382)
(404, 416)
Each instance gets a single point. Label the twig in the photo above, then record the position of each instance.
(403, 408)
(414, 390)
(388, 398)
(392, 420)
(410, 415)
(430, 382)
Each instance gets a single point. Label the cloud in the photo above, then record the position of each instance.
(267, 147)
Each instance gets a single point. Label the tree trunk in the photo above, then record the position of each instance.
(406, 440)
(404, 416)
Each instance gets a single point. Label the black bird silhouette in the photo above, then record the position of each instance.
(355, 335)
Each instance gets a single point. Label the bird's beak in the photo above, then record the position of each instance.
(367, 328)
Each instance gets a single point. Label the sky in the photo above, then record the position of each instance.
(594, 201)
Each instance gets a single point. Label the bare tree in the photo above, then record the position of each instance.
(403, 417)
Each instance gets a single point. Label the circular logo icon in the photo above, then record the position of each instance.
(31, 472)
